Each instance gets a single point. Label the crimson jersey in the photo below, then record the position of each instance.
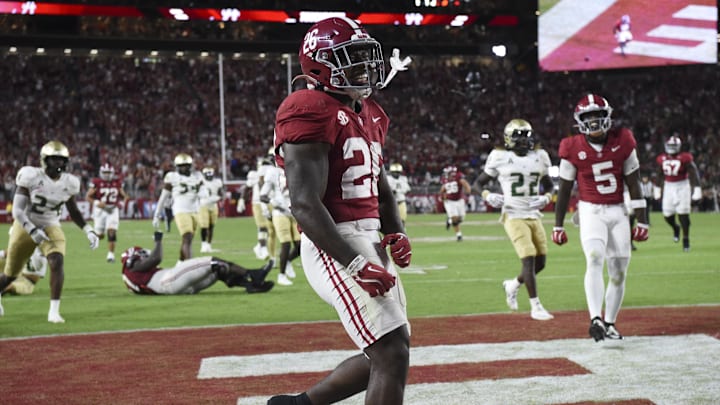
(599, 176)
(453, 188)
(139, 278)
(107, 191)
(674, 167)
(355, 156)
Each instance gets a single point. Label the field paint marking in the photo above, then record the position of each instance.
(565, 19)
(663, 369)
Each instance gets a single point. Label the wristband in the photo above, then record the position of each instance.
(357, 264)
(87, 228)
(638, 203)
(643, 226)
(558, 228)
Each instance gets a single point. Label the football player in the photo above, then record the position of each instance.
(622, 33)
(37, 206)
(266, 240)
(105, 194)
(184, 186)
(329, 140)
(452, 193)
(141, 273)
(522, 171)
(209, 208)
(678, 175)
(275, 193)
(601, 159)
(400, 186)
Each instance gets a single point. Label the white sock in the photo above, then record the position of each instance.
(514, 283)
(55, 307)
(458, 234)
(534, 302)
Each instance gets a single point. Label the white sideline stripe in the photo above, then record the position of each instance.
(697, 12)
(706, 52)
(663, 369)
(565, 19)
(681, 32)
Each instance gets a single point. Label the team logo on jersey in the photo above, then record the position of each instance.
(582, 155)
(343, 118)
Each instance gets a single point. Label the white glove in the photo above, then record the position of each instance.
(495, 200)
(657, 193)
(265, 211)
(539, 202)
(92, 237)
(396, 65)
(696, 194)
(156, 222)
(240, 206)
(38, 235)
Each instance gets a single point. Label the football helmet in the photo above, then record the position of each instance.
(396, 168)
(54, 149)
(673, 145)
(208, 173)
(593, 115)
(133, 255)
(449, 170)
(518, 135)
(183, 163)
(107, 172)
(338, 55)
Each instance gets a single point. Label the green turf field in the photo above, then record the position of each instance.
(446, 278)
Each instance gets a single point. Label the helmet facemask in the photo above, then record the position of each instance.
(518, 136)
(355, 66)
(673, 145)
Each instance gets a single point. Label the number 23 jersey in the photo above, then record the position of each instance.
(47, 196)
(355, 156)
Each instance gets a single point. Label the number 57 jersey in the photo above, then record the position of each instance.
(355, 156)
(47, 196)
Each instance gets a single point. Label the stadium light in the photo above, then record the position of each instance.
(179, 54)
(13, 49)
(499, 50)
(128, 52)
(40, 50)
(67, 51)
(93, 52)
(153, 53)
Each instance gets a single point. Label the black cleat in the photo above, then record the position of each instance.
(263, 287)
(447, 224)
(686, 244)
(258, 276)
(597, 329)
(611, 332)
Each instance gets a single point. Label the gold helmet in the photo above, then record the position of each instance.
(518, 135)
(396, 167)
(183, 159)
(57, 149)
(208, 173)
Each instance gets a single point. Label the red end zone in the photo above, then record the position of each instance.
(161, 367)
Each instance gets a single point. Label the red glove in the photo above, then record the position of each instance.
(400, 249)
(371, 277)
(640, 232)
(559, 237)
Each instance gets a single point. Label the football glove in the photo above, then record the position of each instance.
(92, 237)
(156, 222)
(400, 249)
(372, 278)
(559, 237)
(240, 206)
(539, 202)
(696, 194)
(640, 232)
(157, 236)
(495, 200)
(38, 235)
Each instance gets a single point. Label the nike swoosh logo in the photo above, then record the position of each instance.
(614, 148)
(376, 119)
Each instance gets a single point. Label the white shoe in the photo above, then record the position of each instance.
(289, 270)
(510, 295)
(261, 252)
(110, 257)
(204, 247)
(284, 280)
(540, 314)
(55, 318)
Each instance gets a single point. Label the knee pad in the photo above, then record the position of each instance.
(595, 254)
(262, 235)
(617, 269)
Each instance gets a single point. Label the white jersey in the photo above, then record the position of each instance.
(185, 191)
(214, 189)
(399, 186)
(275, 186)
(253, 179)
(519, 177)
(47, 196)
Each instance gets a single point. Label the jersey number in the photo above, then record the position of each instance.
(360, 180)
(671, 167)
(39, 206)
(519, 184)
(606, 183)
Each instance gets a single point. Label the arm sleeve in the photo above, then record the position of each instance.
(161, 202)
(20, 204)
(567, 170)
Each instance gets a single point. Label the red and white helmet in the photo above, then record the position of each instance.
(338, 54)
(132, 255)
(592, 114)
(107, 172)
(449, 170)
(673, 145)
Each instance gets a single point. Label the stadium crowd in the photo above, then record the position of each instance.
(137, 113)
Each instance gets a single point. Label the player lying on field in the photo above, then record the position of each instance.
(143, 276)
